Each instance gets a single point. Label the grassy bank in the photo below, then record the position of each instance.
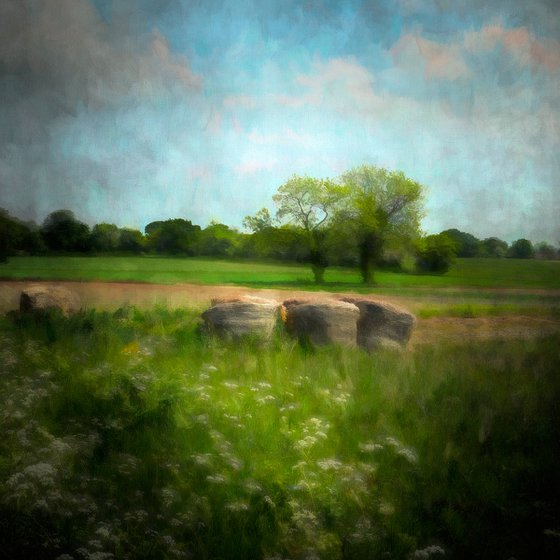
(469, 273)
(132, 435)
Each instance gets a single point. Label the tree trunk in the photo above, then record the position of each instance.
(318, 273)
(319, 263)
(370, 247)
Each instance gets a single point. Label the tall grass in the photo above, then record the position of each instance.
(133, 435)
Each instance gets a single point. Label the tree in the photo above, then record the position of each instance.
(17, 236)
(260, 221)
(467, 244)
(176, 236)
(309, 203)
(545, 251)
(380, 206)
(61, 231)
(521, 249)
(435, 253)
(216, 240)
(105, 237)
(494, 247)
(131, 241)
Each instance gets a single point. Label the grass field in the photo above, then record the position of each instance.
(466, 273)
(130, 435)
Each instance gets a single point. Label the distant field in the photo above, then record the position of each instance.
(466, 273)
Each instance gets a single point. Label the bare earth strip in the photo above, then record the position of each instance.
(111, 295)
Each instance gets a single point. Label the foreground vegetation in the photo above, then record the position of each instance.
(465, 273)
(133, 435)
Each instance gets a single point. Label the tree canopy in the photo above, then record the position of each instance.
(380, 207)
(63, 232)
(309, 204)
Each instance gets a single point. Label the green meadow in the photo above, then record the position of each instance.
(466, 273)
(132, 435)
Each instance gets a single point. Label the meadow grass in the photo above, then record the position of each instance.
(132, 434)
(469, 273)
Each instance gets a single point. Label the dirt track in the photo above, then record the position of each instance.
(110, 295)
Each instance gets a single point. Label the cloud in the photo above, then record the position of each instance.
(63, 48)
(74, 92)
(523, 46)
(251, 167)
(438, 60)
(342, 85)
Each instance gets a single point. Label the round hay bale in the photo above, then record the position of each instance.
(321, 323)
(246, 316)
(41, 298)
(381, 324)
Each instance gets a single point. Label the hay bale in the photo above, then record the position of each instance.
(37, 298)
(382, 325)
(240, 317)
(321, 323)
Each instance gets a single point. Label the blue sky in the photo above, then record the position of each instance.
(131, 111)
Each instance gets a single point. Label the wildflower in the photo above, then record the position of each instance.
(252, 486)
(269, 501)
(428, 552)
(369, 447)
(329, 464)
(288, 407)
(305, 443)
(409, 454)
(217, 479)
(202, 459)
(237, 506)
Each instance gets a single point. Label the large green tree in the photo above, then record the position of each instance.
(18, 236)
(521, 249)
(467, 244)
(217, 240)
(177, 236)
(379, 207)
(105, 237)
(309, 203)
(61, 231)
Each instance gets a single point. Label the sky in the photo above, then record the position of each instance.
(130, 111)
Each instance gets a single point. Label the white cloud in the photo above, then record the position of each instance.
(252, 166)
(438, 60)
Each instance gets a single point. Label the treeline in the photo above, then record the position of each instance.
(62, 233)
(467, 245)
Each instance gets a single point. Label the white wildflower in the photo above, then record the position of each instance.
(409, 454)
(252, 486)
(329, 464)
(428, 552)
(202, 459)
(369, 447)
(217, 479)
(237, 506)
(305, 443)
